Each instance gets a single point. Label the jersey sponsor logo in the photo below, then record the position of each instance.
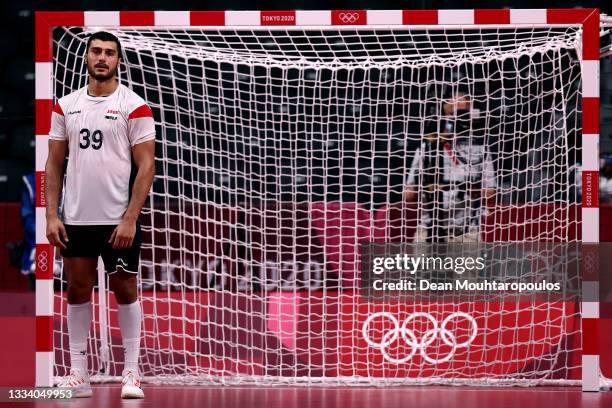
(74, 112)
(111, 114)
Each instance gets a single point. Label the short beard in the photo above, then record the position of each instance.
(102, 78)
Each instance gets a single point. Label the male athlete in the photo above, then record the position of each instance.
(454, 172)
(108, 134)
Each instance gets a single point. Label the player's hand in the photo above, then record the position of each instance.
(123, 235)
(56, 232)
(410, 194)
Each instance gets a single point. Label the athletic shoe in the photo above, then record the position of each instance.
(131, 385)
(78, 383)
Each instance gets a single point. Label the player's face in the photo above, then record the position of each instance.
(458, 102)
(102, 60)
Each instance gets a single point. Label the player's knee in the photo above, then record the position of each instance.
(79, 292)
(125, 288)
(126, 297)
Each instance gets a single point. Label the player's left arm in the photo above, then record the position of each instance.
(144, 158)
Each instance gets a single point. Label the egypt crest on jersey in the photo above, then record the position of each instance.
(100, 132)
(112, 114)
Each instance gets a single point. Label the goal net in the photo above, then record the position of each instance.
(282, 153)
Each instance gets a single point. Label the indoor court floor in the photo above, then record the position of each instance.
(107, 395)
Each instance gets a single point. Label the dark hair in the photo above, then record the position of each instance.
(104, 36)
(450, 93)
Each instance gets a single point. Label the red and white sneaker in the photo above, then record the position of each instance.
(78, 383)
(131, 385)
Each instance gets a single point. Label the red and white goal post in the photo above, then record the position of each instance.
(284, 139)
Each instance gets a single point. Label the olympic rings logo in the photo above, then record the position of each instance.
(41, 260)
(348, 18)
(589, 262)
(410, 339)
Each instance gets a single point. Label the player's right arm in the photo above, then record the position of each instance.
(488, 177)
(54, 176)
(410, 191)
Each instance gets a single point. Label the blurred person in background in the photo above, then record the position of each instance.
(605, 180)
(452, 174)
(28, 219)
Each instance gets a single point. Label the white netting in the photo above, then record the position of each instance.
(281, 151)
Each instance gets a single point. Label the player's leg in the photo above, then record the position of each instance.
(80, 261)
(440, 218)
(455, 200)
(81, 277)
(122, 266)
(123, 281)
(124, 284)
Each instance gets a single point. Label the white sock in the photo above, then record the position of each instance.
(79, 320)
(130, 319)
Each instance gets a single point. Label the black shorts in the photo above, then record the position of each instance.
(91, 241)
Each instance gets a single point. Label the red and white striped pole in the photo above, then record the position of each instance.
(589, 60)
(44, 251)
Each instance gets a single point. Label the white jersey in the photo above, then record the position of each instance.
(460, 163)
(100, 132)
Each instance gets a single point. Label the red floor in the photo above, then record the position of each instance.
(17, 341)
(430, 397)
(17, 369)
